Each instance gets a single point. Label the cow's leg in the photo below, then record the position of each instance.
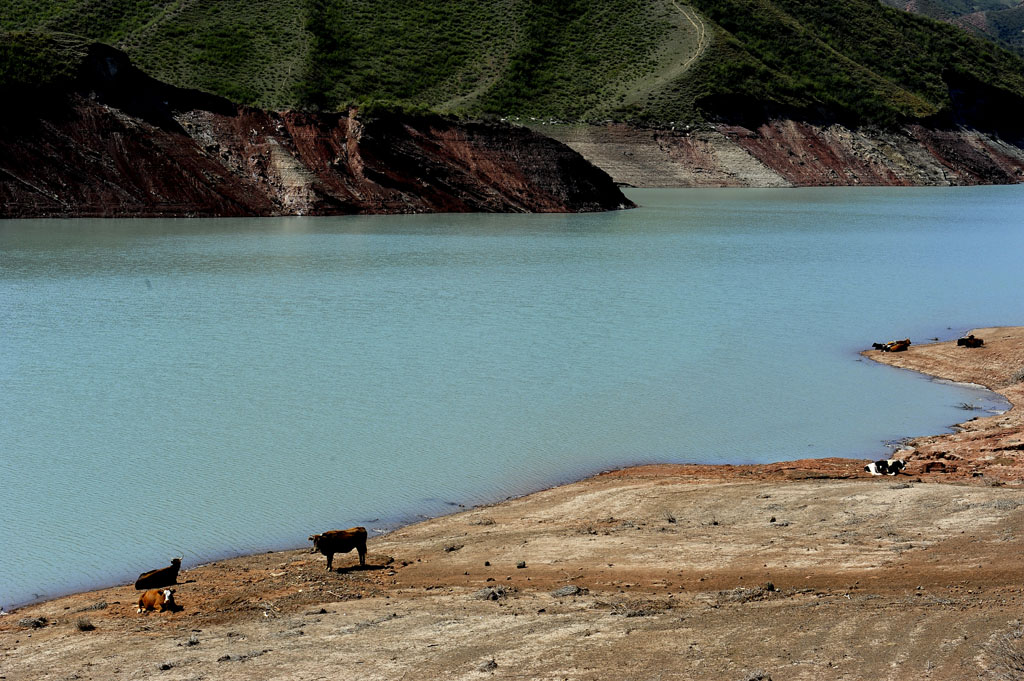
(362, 554)
(330, 559)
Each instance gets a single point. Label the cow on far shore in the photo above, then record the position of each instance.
(892, 346)
(886, 467)
(970, 342)
(340, 541)
(154, 579)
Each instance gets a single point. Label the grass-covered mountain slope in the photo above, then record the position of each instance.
(1001, 21)
(659, 62)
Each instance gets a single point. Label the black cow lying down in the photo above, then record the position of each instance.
(886, 467)
(154, 579)
(970, 342)
(340, 541)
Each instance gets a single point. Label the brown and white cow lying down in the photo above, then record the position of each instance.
(340, 541)
(154, 579)
(892, 346)
(156, 599)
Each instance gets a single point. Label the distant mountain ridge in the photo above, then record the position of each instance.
(652, 62)
(1001, 21)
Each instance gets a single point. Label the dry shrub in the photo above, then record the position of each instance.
(1006, 655)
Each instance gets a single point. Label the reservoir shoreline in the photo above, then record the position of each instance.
(642, 558)
(838, 467)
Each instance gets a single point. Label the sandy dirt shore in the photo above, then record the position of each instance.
(801, 570)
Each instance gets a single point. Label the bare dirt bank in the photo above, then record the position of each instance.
(787, 153)
(114, 142)
(800, 570)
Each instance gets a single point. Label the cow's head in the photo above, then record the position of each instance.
(176, 562)
(315, 538)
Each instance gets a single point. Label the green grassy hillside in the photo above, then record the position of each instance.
(1001, 21)
(656, 61)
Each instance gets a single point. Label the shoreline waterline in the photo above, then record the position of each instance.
(825, 467)
(286, 376)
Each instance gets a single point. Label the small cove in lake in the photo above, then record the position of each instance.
(217, 387)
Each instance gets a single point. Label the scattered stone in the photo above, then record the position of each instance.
(747, 595)
(164, 666)
(568, 590)
(758, 675)
(243, 657)
(521, 564)
(98, 605)
(491, 593)
(452, 547)
(83, 624)
(488, 666)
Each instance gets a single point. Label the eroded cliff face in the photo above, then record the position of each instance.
(788, 153)
(121, 144)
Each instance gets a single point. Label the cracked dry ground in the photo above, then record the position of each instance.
(798, 570)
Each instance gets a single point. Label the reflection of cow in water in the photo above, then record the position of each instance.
(892, 346)
(970, 342)
(155, 579)
(340, 541)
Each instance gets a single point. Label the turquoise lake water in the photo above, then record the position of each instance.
(207, 388)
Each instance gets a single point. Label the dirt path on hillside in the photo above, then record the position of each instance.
(698, 25)
(798, 570)
(675, 61)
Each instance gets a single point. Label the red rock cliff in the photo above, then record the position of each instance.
(118, 143)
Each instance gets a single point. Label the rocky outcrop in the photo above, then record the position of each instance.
(118, 143)
(789, 153)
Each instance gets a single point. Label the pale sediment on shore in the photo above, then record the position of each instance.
(796, 570)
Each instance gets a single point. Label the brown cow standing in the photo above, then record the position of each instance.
(155, 579)
(156, 599)
(340, 541)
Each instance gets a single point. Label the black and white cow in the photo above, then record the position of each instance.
(886, 466)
